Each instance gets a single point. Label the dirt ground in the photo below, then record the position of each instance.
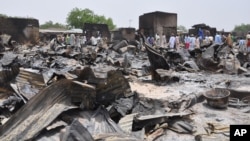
(203, 115)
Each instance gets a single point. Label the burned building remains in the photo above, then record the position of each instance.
(91, 29)
(21, 30)
(207, 30)
(120, 91)
(158, 22)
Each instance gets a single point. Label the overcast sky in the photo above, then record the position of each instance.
(222, 14)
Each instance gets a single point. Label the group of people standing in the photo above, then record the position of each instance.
(191, 42)
(244, 43)
(81, 40)
(175, 41)
(161, 41)
(75, 40)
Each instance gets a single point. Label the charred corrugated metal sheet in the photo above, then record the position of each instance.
(98, 123)
(111, 90)
(28, 83)
(9, 68)
(76, 131)
(7, 59)
(157, 61)
(42, 109)
(150, 120)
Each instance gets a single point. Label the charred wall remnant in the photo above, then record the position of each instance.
(158, 22)
(22, 30)
(123, 33)
(96, 29)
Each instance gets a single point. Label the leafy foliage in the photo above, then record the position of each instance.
(182, 28)
(50, 24)
(242, 29)
(77, 17)
(3, 15)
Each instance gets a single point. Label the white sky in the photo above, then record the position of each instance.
(222, 14)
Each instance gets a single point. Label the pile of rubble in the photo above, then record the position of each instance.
(58, 92)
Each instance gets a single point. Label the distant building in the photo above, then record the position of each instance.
(158, 22)
(207, 30)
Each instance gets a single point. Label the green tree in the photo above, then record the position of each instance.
(77, 17)
(3, 15)
(50, 24)
(241, 29)
(182, 28)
